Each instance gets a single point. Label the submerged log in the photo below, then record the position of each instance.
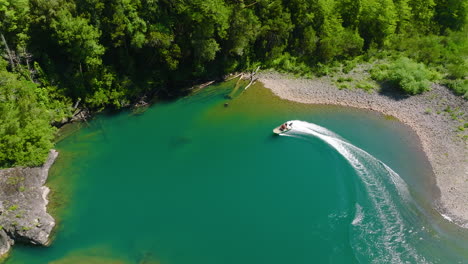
(231, 95)
(251, 82)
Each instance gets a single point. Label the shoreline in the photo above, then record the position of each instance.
(443, 145)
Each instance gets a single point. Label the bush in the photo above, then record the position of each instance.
(459, 86)
(458, 69)
(408, 75)
(349, 65)
(288, 63)
(448, 52)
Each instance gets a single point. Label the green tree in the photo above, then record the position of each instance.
(377, 22)
(451, 14)
(350, 11)
(14, 21)
(404, 17)
(79, 39)
(25, 131)
(275, 29)
(422, 14)
(335, 41)
(125, 23)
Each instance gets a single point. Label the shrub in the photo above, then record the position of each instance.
(459, 86)
(288, 63)
(408, 75)
(458, 69)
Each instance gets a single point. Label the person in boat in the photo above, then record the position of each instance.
(285, 126)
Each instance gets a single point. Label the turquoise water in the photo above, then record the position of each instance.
(192, 181)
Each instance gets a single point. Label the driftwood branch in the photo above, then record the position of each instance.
(200, 86)
(252, 79)
(234, 77)
(203, 85)
(251, 82)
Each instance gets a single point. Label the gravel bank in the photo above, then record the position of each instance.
(435, 116)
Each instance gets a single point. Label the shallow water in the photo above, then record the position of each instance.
(192, 181)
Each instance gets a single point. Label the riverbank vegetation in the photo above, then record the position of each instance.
(58, 55)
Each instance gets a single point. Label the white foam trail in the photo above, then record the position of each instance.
(377, 242)
(358, 216)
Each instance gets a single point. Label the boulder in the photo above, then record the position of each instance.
(23, 205)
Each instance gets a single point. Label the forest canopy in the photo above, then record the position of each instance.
(108, 53)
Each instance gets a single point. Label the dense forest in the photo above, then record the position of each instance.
(109, 53)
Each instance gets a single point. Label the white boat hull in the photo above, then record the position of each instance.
(278, 131)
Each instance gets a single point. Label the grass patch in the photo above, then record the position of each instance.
(366, 85)
(344, 79)
(344, 86)
(14, 180)
(448, 109)
(390, 117)
(13, 207)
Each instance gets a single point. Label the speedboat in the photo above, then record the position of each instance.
(283, 128)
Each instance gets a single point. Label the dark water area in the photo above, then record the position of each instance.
(193, 181)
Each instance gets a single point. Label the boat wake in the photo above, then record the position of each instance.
(378, 231)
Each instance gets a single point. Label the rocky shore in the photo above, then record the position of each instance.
(438, 117)
(23, 201)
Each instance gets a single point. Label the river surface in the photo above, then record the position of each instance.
(193, 181)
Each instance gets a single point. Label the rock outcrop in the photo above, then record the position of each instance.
(23, 201)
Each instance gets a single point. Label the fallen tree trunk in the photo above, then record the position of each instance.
(10, 55)
(234, 77)
(252, 80)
